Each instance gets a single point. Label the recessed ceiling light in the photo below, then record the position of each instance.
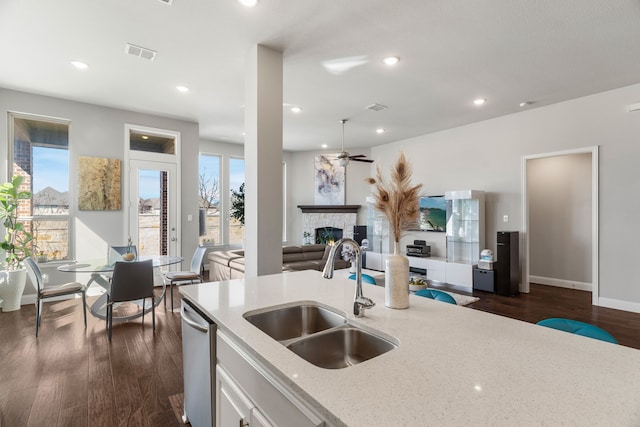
(296, 109)
(248, 3)
(380, 130)
(324, 146)
(479, 101)
(524, 104)
(391, 60)
(79, 65)
(182, 89)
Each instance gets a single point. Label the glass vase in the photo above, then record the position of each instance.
(396, 276)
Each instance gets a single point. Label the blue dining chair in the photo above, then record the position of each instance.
(578, 328)
(365, 279)
(436, 295)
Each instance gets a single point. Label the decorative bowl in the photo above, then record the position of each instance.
(128, 257)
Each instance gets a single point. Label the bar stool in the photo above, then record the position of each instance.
(578, 328)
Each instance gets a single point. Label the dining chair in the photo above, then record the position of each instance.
(578, 328)
(44, 292)
(181, 277)
(436, 295)
(365, 278)
(131, 281)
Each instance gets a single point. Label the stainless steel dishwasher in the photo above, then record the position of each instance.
(198, 358)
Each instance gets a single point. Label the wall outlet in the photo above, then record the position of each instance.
(189, 217)
(505, 218)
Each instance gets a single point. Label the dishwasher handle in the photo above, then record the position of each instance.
(189, 321)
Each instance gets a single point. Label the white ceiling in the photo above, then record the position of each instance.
(451, 51)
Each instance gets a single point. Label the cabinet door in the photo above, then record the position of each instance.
(233, 407)
(258, 420)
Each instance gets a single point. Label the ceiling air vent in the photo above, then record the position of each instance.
(141, 52)
(376, 107)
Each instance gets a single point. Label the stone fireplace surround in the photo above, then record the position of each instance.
(320, 216)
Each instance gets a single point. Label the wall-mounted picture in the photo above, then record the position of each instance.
(329, 181)
(433, 213)
(98, 184)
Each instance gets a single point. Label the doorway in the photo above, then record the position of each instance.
(576, 236)
(153, 181)
(153, 207)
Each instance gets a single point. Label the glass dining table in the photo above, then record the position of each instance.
(100, 274)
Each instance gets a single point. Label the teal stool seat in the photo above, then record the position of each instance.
(365, 278)
(578, 328)
(436, 295)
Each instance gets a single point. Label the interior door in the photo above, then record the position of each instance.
(153, 224)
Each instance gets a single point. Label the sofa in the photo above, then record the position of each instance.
(224, 265)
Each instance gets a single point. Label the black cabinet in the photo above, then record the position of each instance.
(508, 263)
(484, 280)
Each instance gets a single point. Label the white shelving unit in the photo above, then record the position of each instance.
(465, 225)
(379, 237)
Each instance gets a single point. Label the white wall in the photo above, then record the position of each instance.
(487, 156)
(99, 132)
(301, 188)
(559, 193)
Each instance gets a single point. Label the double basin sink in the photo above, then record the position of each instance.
(320, 334)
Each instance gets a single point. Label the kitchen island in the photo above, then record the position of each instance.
(453, 365)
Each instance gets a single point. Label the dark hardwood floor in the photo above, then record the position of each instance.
(70, 376)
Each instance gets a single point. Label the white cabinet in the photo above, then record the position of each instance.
(234, 408)
(465, 225)
(436, 267)
(379, 237)
(460, 274)
(249, 395)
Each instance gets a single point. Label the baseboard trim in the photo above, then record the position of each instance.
(619, 304)
(569, 284)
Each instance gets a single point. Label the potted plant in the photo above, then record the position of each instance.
(15, 244)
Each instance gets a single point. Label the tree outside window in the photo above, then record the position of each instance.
(209, 200)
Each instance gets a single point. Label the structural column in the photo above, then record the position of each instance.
(263, 162)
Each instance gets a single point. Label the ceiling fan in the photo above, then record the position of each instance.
(343, 157)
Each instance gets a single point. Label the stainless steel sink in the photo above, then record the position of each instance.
(286, 323)
(341, 347)
(320, 335)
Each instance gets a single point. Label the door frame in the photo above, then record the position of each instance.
(159, 158)
(595, 258)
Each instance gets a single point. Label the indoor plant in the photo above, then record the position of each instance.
(398, 200)
(15, 244)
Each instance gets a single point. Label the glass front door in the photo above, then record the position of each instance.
(153, 207)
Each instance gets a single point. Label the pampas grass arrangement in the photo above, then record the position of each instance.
(397, 198)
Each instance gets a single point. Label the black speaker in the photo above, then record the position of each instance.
(359, 233)
(508, 263)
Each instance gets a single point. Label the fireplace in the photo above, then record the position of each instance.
(316, 219)
(328, 234)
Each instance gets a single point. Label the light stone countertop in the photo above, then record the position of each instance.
(454, 366)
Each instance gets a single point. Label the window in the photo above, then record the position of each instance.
(40, 153)
(209, 200)
(236, 215)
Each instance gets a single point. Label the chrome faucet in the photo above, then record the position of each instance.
(360, 302)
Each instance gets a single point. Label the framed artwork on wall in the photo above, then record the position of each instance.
(99, 184)
(329, 181)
